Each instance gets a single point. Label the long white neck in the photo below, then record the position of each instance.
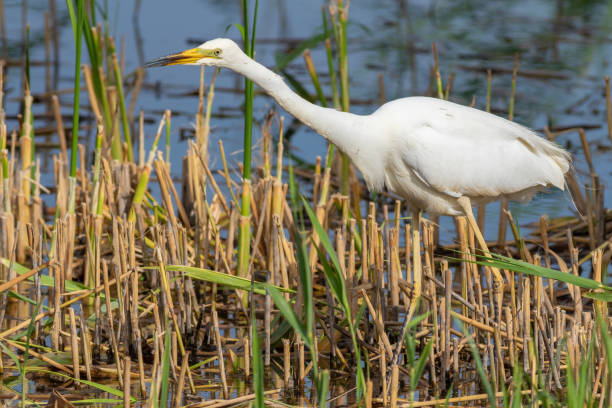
(341, 128)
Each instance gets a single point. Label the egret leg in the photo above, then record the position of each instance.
(498, 283)
(466, 206)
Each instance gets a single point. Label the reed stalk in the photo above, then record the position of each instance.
(143, 180)
(333, 80)
(244, 232)
(344, 82)
(78, 33)
(437, 71)
(6, 201)
(95, 52)
(314, 77)
(608, 108)
(26, 147)
(168, 128)
(121, 97)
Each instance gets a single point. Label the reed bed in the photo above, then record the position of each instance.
(133, 286)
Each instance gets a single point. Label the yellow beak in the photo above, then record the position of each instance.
(186, 57)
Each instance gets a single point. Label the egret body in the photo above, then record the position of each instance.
(429, 151)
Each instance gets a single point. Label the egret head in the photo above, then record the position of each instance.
(220, 52)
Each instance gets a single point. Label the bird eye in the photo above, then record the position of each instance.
(217, 52)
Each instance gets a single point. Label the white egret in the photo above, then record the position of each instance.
(439, 155)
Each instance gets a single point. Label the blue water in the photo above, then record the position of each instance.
(390, 37)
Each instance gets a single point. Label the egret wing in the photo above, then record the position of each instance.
(468, 153)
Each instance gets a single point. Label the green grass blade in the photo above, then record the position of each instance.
(417, 371)
(101, 387)
(606, 339)
(285, 308)
(19, 296)
(219, 278)
(302, 255)
(416, 320)
(258, 372)
(323, 388)
(165, 365)
(333, 274)
(92, 401)
(75, 113)
(45, 280)
(122, 109)
(322, 234)
(72, 16)
(306, 281)
(517, 378)
(503, 262)
(585, 379)
(603, 296)
(283, 60)
(249, 45)
(12, 355)
(571, 392)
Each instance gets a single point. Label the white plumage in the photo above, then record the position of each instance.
(440, 151)
(429, 151)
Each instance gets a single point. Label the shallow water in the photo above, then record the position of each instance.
(563, 46)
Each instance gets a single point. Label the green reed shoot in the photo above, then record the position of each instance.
(330, 62)
(343, 54)
(30, 116)
(168, 128)
(320, 95)
(30, 330)
(244, 232)
(314, 77)
(606, 344)
(257, 360)
(18, 364)
(249, 45)
(599, 290)
(96, 173)
(332, 79)
(3, 150)
(513, 88)
(223, 279)
(99, 386)
(578, 394)
(22, 365)
(335, 280)
(95, 58)
(517, 388)
(143, 181)
(416, 366)
(437, 71)
(124, 117)
(165, 367)
(489, 81)
(78, 31)
(344, 82)
(303, 329)
(323, 388)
